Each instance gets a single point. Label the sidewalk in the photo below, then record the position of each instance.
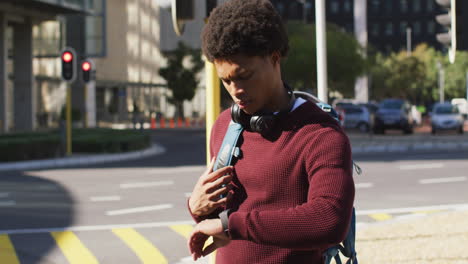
(440, 238)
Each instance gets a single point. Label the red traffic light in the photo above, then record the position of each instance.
(86, 66)
(67, 56)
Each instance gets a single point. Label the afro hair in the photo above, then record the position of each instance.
(247, 27)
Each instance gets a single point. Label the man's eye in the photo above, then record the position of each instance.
(227, 82)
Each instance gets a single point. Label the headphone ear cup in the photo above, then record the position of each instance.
(262, 124)
(239, 117)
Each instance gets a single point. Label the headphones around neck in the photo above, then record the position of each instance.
(262, 122)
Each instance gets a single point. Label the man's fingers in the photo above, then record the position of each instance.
(223, 190)
(213, 176)
(219, 183)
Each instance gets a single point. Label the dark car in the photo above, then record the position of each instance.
(394, 114)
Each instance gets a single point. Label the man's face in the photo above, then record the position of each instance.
(249, 80)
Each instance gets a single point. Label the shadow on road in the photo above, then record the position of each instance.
(28, 203)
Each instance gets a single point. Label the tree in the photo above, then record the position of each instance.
(345, 60)
(182, 79)
(455, 76)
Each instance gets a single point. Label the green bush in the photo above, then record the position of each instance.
(29, 146)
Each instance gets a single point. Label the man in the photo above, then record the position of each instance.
(290, 194)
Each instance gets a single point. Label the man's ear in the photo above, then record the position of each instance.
(275, 58)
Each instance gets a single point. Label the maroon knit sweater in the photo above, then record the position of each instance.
(294, 192)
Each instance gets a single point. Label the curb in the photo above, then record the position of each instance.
(84, 160)
(416, 147)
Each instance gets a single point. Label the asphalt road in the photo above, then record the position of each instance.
(135, 211)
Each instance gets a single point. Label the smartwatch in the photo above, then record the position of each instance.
(224, 216)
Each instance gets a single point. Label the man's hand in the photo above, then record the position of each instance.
(206, 194)
(201, 232)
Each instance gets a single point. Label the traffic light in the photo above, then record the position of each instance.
(87, 71)
(454, 20)
(68, 59)
(182, 11)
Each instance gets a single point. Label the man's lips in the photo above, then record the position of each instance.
(243, 104)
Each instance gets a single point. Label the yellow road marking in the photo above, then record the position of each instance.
(7, 251)
(183, 230)
(380, 217)
(73, 249)
(143, 248)
(186, 230)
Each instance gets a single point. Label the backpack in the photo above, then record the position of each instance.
(230, 150)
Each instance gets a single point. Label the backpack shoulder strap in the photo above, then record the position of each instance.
(229, 147)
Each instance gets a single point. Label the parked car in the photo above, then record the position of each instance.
(394, 114)
(356, 116)
(446, 116)
(462, 105)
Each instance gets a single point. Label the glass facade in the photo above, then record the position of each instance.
(403, 26)
(48, 39)
(404, 6)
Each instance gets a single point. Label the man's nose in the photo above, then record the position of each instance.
(237, 89)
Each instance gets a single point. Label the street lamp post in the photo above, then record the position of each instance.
(322, 89)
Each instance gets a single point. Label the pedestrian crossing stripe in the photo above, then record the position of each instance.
(7, 251)
(73, 249)
(183, 230)
(143, 248)
(380, 217)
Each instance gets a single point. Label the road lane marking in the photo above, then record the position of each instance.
(422, 166)
(145, 184)
(73, 249)
(412, 209)
(380, 217)
(364, 185)
(140, 209)
(442, 180)
(105, 198)
(7, 251)
(7, 203)
(143, 248)
(4, 194)
(93, 228)
(183, 230)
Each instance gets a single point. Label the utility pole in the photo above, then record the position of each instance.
(441, 82)
(408, 41)
(322, 89)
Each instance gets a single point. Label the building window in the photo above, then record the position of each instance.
(389, 6)
(389, 29)
(430, 27)
(404, 6)
(430, 5)
(403, 26)
(375, 29)
(347, 6)
(417, 28)
(416, 6)
(280, 8)
(335, 7)
(375, 6)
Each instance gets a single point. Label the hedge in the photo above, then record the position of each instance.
(40, 145)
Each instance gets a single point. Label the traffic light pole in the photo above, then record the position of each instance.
(212, 102)
(69, 121)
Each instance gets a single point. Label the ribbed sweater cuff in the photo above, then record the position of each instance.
(238, 226)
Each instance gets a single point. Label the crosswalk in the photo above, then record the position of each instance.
(118, 245)
(155, 243)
